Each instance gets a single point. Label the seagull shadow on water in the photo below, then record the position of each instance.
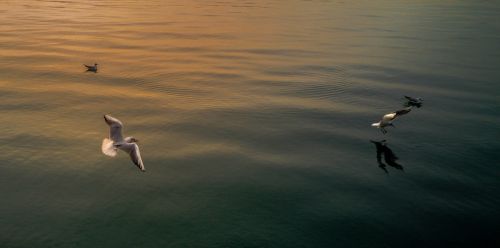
(389, 156)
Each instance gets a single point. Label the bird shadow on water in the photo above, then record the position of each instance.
(389, 157)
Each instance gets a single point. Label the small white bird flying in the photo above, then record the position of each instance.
(388, 118)
(92, 68)
(116, 141)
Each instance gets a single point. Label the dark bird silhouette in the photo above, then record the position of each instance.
(413, 102)
(92, 68)
(389, 156)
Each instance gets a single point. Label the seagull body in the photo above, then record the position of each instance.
(411, 101)
(92, 68)
(116, 141)
(388, 118)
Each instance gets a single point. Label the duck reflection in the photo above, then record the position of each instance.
(389, 156)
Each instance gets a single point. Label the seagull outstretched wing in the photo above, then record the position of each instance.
(133, 150)
(115, 128)
(403, 111)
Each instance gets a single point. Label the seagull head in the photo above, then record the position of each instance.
(106, 119)
(131, 140)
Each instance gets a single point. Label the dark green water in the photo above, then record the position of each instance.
(254, 123)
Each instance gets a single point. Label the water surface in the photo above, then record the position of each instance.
(254, 123)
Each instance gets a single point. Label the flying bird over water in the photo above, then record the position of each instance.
(116, 141)
(92, 68)
(388, 118)
(411, 101)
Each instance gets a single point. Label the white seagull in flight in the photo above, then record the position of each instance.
(116, 141)
(388, 118)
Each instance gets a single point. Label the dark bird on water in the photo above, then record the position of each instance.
(411, 101)
(92, 68)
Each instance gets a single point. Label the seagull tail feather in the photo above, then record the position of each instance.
(108, 148)
(376, 124)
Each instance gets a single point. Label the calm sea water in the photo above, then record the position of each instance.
(254, 123)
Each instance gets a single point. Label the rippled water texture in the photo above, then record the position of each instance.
(254, 123)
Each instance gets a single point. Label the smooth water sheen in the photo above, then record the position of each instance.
(254, 123)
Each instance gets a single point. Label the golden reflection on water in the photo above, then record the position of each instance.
(185, 62)
(187, 45)
(168, 64)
